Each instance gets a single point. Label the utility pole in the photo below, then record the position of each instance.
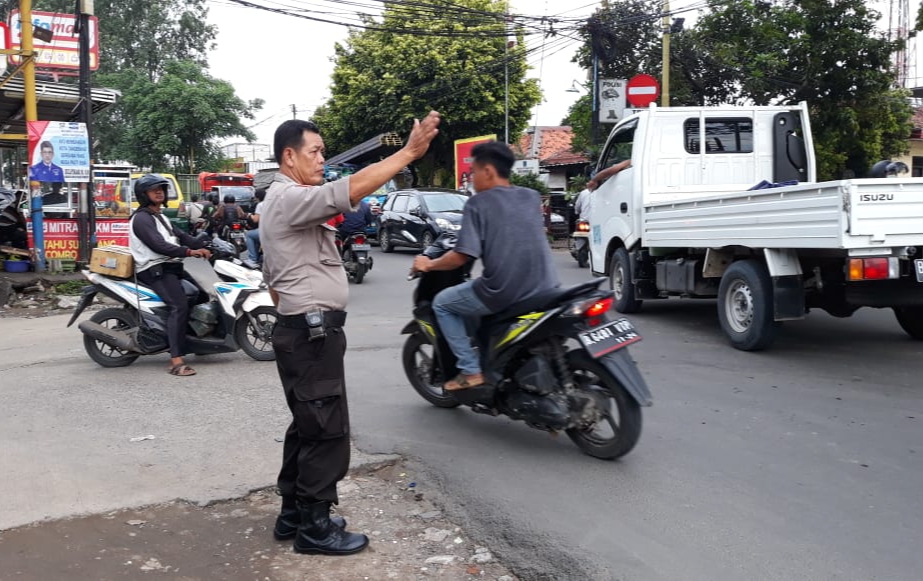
(294, 111)
(506, 75)
(86, 224)
(31, 112)
(594, 120)
(665, 80)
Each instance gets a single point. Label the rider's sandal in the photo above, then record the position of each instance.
(461, 381)
(182, 370)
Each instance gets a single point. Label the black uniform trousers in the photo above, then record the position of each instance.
(315, 455)
(166, 282)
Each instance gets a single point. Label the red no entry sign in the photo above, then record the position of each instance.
(642, 90)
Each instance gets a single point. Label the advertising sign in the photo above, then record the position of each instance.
(59, 151)
(463, 149)
(61, 239)
(63, 52)
(611, 100)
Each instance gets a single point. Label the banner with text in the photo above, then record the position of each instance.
(61, 241)
(63, 52)
(59, 151)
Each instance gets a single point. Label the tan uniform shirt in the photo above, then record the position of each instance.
(300, 258)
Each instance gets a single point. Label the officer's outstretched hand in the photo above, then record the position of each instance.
(422, 134)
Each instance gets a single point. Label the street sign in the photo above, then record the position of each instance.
(642, 90)
(611, 100)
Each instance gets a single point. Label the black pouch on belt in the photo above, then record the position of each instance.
(315, 320)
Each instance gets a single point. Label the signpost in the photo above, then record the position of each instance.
(642, 90)
(611, 100)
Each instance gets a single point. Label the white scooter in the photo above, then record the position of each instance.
(226, 316)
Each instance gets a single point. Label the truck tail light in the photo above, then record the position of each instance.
(874, 268)
(583, 226)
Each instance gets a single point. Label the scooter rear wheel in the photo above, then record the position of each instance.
(619, 428)
(420, 367)
(106, 355)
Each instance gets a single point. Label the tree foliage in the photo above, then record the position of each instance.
(825, 52)
(211, 110)
(156, 55)
(384, 78)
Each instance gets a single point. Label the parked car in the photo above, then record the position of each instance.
(423, 213)
(376, 200)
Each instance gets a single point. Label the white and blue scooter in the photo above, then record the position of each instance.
(225, 316)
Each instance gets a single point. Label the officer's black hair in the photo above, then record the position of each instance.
(291, 134)
(497, 154)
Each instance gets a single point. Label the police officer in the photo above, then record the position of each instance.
(309, 286)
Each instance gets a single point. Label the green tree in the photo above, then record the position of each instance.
(421, 57)
(158, 134)
(825, 52)
(155, 54)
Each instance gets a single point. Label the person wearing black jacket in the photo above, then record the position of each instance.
(158, 250)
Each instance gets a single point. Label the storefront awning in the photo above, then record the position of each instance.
(55, 102)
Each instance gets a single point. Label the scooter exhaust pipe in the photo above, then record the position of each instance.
(112, 337)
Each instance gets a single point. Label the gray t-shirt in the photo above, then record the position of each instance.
(503, 226)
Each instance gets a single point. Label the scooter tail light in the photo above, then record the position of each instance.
(236, 226)
(592, 309)
(360, 239)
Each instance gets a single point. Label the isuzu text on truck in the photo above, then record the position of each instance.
(686, 220)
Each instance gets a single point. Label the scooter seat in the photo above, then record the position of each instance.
(542, 301)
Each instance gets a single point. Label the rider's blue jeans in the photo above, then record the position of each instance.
(456, 307)
(253, 244)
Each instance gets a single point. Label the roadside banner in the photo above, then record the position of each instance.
(463, 149)
(62, 51)
(61, 236)
(59, 151)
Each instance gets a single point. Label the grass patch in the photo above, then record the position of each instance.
(71, 287)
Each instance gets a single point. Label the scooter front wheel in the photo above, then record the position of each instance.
(424, 373)
(107, 355)
(254, 333)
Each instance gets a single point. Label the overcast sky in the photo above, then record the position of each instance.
(286, 60)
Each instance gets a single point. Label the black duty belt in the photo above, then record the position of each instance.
(331, 319)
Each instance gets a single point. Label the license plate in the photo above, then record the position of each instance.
(918, 263)
(610, 337)
(361, 247)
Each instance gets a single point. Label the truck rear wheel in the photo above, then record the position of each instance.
(910, 320)
(621, 283)
(745, 306)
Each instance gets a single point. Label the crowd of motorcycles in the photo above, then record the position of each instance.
(558, 361)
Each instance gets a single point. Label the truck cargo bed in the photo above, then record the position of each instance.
(848, 214)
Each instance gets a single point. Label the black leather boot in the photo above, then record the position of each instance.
(289, 518)
(318, 535)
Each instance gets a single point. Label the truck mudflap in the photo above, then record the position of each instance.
(89, 293)
(622, 367)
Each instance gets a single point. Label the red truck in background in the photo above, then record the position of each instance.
(209, 179)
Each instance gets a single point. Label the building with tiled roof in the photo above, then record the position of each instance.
(551, 145)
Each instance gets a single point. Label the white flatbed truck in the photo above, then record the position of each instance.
(685, 220)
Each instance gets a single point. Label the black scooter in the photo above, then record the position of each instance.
(355, 256)
(557, 361)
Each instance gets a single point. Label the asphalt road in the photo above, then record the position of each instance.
(802, 462)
